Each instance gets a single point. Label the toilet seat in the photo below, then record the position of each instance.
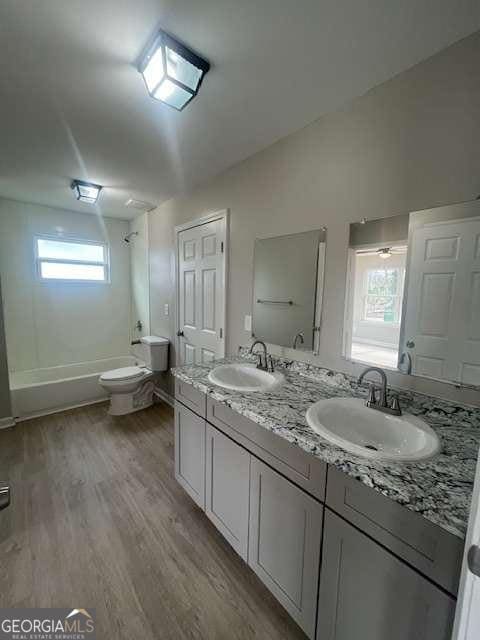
(123, 374)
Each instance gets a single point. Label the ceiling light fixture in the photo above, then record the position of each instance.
(172, 72)
(86, 191)
(384, 253)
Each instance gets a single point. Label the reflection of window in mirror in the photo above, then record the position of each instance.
(374, 304)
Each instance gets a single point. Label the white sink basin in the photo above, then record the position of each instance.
(348, 423)
(244, 377)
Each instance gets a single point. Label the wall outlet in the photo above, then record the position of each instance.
(166, 309)
(248, 323)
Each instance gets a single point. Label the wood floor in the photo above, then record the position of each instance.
(98, 521)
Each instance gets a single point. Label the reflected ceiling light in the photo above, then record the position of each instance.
(172, 72)
(384, 253)
(86, 191)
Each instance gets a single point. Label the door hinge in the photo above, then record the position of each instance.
(221, 247)
(221, 333)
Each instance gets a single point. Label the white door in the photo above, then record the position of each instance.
(442, 319)
(201, 291)
(467, 619)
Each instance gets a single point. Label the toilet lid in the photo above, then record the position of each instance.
(125, 373)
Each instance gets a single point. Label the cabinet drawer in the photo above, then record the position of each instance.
(305, 470)
(190, 397)
(426, 546)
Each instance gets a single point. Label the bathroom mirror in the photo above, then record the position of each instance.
(287, 289)
(413, 293)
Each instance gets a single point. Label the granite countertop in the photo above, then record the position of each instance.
(439, 489)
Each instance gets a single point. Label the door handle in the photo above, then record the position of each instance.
(180, 334)
(473, 559)
(4, 495)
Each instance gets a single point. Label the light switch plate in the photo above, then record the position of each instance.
(248, 323)
(166, 309)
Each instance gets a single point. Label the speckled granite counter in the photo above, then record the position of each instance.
(439, 489)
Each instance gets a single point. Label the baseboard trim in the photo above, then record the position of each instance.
(48, 412)
(162, 395)
(7, 423)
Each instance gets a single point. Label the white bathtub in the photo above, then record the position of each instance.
(42, 391)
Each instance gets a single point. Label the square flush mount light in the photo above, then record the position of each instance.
(86, 191)
(172, 72)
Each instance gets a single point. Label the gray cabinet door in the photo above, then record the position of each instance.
(366, 593)
(284, 542)
(190, 453)
(228, 488)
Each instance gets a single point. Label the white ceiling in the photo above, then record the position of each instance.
(73, 105)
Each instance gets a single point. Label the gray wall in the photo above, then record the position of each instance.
(409, 144)
(5, 407)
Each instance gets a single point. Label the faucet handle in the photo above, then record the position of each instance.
(269, 364)
(372, 397)
(395, 404)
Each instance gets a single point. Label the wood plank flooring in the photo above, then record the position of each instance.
(97, 520)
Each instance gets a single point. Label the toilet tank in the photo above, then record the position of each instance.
(155, 352)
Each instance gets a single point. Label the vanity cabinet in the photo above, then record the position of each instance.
(227, 493)
(285, 541)
(190, 452)
(385, 571)
(367, 593)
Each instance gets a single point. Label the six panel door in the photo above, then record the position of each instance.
(190, 453)
(442, 317)
(228, 488)
(201, 289)
(366, 593)
(284, 542)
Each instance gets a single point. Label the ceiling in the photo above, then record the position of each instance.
(72, 103)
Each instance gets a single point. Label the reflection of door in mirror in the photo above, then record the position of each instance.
(442, 310)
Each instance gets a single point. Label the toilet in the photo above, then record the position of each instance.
(131, 388)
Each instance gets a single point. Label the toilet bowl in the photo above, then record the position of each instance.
(131, 388)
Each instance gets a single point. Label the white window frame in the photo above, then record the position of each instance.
(71, 240)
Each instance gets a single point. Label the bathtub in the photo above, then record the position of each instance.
(42, 391)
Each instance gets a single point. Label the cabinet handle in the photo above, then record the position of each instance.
(473, 559)
(4, 495)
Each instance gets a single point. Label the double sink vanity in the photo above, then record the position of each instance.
(353, 517)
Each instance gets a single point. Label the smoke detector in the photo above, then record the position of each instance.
(140, 205)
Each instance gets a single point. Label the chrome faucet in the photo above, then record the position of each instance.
(265, 362)
(382, 404)
(299, 337)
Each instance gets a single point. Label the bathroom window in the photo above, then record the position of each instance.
(71, 260)
(383, 295)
